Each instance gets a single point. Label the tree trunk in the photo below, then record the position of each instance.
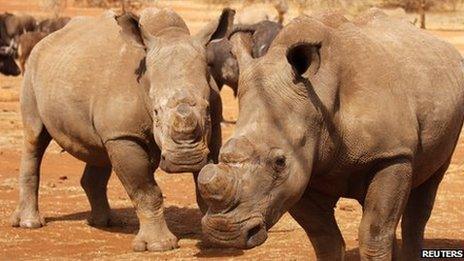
(422, 13)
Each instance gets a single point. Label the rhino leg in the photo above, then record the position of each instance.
(94, 182)
(36, 140)
(315, 213)
(134, 168)
(417, 213)
(384, 203)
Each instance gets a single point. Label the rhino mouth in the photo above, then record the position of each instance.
(223, 232)
(184, 160)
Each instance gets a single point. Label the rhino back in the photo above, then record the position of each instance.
(401, 93)
(86, 90)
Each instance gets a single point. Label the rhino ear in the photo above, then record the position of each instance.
(130, 28)
(242, 49)
(304, 58)
(217, 29)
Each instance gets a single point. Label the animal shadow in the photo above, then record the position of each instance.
(432, 243)
(183, 222)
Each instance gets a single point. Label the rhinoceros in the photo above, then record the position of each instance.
(369, 110)
(223, 64)
(120, 93)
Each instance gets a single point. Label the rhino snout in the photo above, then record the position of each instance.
(217, 186)
(224, 231)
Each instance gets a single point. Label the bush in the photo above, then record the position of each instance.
(414, 5)
(56, 6)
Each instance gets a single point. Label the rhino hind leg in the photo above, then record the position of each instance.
(417, 213)
(315, 213)
(134, 168)
(383, 206)
(36, 140)
(94, 182)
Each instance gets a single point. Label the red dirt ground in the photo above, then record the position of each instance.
(65, 207)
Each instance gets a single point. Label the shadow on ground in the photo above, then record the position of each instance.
(432, 243)
(183, 222)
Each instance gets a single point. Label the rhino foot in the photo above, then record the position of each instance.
(27, 220)
(154, 240)
(102, 220)
(99, 222)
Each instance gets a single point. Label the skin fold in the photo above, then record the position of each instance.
(370, 110)
(122, 93)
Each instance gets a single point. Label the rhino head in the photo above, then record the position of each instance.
(179, 85)
(265, 167)
(223, 64)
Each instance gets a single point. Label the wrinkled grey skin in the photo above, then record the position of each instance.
(369, 110)
(223, 64)
(82, 91)
(53, 24)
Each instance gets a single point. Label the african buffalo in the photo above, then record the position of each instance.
(370, 110)
(12, 26)
(128, 98)
(8, 65)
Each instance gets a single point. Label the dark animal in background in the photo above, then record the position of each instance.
(8, 66)
(27, 22)
(223, 65)
(12, 26)
(27, 42)
(53, 24)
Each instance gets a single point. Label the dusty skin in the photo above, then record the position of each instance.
(65, 207)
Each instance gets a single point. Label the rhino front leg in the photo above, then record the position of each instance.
(384, 203)
(94, 182)
(315, 213)
(135, 169)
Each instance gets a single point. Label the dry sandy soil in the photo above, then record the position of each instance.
(65, 208)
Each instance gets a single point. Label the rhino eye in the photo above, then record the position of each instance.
(279, 163)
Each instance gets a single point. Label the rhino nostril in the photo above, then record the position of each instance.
(256, 235)
(253, 231)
